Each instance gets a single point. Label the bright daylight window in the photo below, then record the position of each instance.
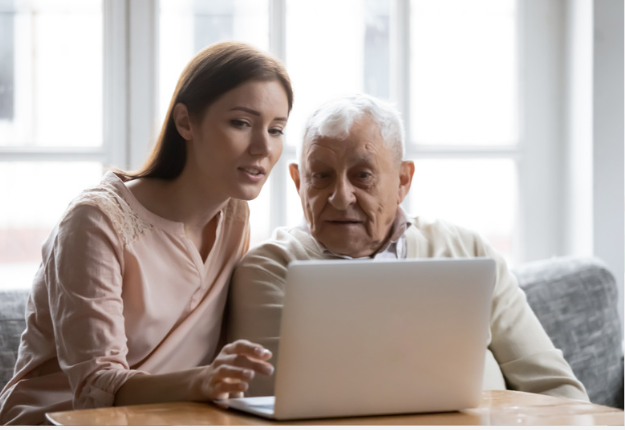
(462, 92)
(463, 108)
(51, 143)
(457, 91)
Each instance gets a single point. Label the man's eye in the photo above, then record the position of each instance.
(320, 175)
(364, 175)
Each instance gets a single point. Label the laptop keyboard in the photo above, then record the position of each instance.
(268, 406)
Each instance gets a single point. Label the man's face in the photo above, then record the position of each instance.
(351, 189)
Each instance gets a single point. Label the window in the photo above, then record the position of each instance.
(333, 53)
(463, 112)
(71, 106)
(457, 92)
(51, 122)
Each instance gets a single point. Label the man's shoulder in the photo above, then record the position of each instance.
(441, 237)
(285, 245)
(432, 227)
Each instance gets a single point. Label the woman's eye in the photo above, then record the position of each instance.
(239, 123)
(276, 132)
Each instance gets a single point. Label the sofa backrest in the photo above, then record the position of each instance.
(12, 324)
(575, 300)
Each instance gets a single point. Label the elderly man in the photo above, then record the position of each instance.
(351, 180)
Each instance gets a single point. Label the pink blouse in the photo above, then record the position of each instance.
(120, 291)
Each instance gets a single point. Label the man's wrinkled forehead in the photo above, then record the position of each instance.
(329, 150)
(366, 145)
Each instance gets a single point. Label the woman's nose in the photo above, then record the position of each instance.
(260, 144)
(343, 194)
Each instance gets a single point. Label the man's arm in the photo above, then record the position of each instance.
(255, 306)
(527, 357)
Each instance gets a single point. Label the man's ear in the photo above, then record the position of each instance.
(406, 171)
(183, 121)
(294, 171)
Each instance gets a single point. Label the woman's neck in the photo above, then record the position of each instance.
(181, 200)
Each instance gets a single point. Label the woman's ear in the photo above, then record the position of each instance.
(183, 121)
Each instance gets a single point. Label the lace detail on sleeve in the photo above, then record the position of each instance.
(128, 225)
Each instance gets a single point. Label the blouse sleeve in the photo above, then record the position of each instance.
(84, 275)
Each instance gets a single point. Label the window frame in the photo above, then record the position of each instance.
(113, 147)
(535, 154)
(130, 50)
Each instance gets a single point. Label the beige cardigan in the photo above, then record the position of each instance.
(520, 355)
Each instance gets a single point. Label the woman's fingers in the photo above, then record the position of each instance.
(261, 367)
(227, 387)
(246, 354)
(243, 362)
(226, 381)
(235, 366)
(227, 371)
(247, 348)
(232, 380)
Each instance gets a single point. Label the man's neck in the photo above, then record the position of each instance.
(396, 232)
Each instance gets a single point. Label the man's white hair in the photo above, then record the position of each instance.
(334, 119)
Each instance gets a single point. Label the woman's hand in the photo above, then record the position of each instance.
(229, 374)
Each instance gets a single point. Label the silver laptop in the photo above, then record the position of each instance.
(379, 337)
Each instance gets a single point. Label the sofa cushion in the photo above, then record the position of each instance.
(12, 324)
(575, 300)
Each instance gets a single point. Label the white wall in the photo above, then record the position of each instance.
(578, 129)
(608, 185)
(540, 178)
(593, 134)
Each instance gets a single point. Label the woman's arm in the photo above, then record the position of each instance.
(85, 281)
(227, 376)
(84, 278)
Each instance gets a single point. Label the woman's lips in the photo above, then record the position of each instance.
(253, 170)
(253, 173)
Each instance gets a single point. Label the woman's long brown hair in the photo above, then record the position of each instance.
(214, 71)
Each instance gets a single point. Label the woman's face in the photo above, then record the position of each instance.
(235, 144)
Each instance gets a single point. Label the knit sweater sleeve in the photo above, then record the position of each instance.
(256, 298)
(527, 358)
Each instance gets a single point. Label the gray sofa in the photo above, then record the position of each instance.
(575, 300)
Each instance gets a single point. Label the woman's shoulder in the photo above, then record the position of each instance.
(105, 201)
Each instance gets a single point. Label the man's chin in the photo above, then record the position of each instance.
(339, 248)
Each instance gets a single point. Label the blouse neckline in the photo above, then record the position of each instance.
(175, 227)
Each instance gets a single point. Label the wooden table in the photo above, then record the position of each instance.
(496, 408)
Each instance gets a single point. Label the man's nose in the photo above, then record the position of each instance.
(343, 195)
(260, 143)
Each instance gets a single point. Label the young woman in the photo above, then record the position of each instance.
(127, 304)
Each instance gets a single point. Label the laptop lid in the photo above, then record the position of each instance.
(371, 337)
